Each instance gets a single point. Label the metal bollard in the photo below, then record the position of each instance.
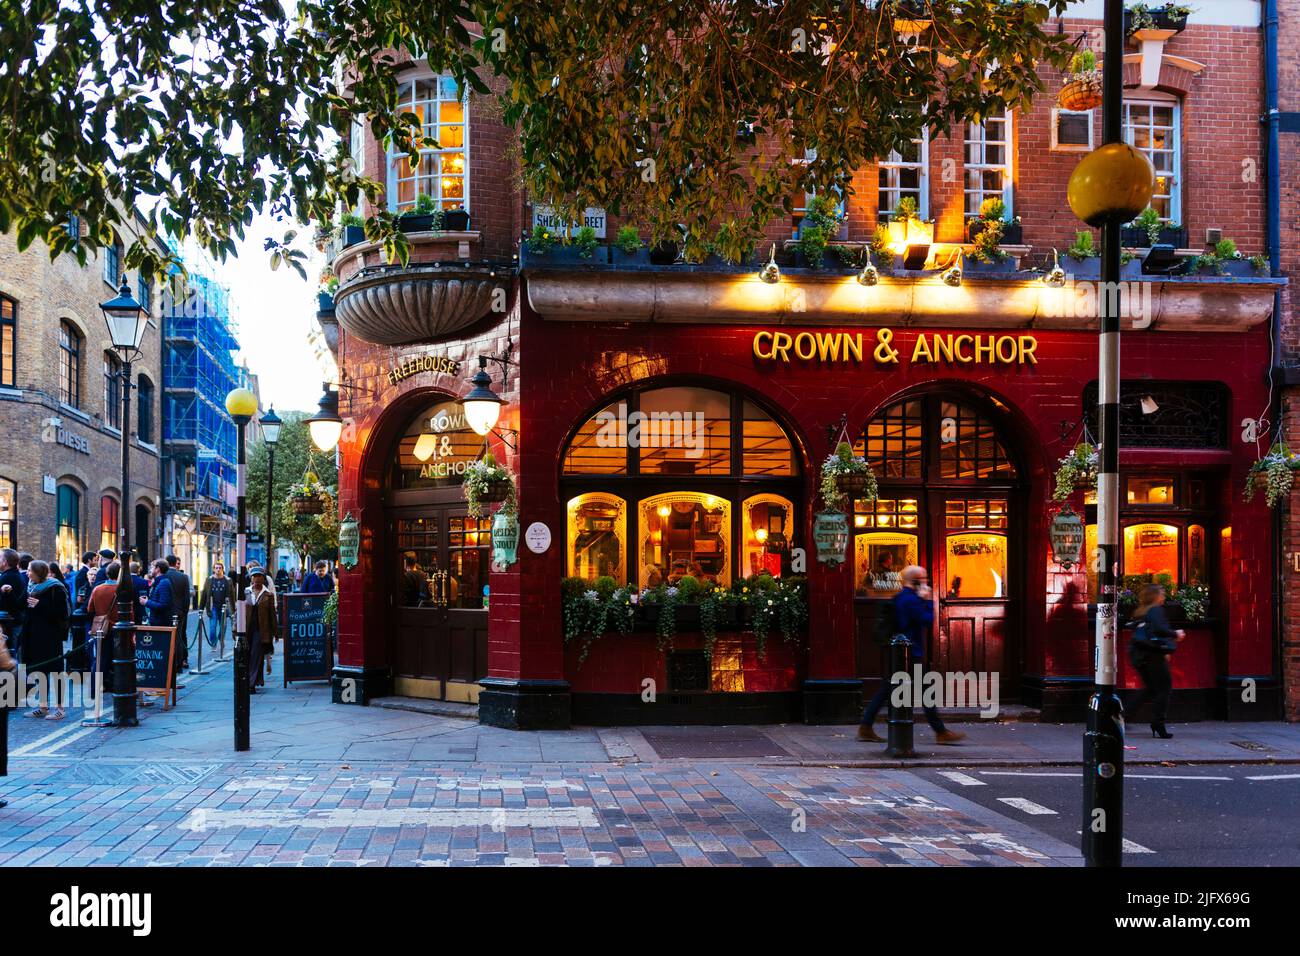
(1101, 839)
(242, 686)
(900, 732)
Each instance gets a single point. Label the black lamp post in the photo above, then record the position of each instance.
(326, 427)
(127, 320)
(271, 425)
(242, 406)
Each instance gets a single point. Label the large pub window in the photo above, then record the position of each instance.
(662, 483)
(67, 513)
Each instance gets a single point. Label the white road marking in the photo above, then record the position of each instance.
(58, 744)
(994, 841)
(49, 738)
(1028, 806)
(1278, 776)
(1127, 776)
(966, 780)
(203, 820)
(1129, 846)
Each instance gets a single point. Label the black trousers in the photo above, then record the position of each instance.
(1157, 682)
(881, 697)
(4, 741)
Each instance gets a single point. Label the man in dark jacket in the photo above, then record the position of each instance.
(180, 582)
(320, 581)
(83, 583)
(13, 594)
(913, 617)
(158, 603)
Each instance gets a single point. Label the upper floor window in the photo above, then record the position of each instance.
(1152, 128)
(74, 228)
(8, 513)
(113, 263)
(988, 162)
(69, 364)
(8, 340)
(144, 412)
(442, 172)
(112, 390)
(905, 173)
(144, 292)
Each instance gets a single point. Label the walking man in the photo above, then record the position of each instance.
(217, 598)
(180, 582)
(913, 616)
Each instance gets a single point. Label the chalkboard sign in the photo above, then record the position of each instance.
(155, 650)
(308, 648)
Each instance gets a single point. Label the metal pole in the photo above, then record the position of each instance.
(270, 491)
(900, 731)
(241, 556)
(124, 701)
(1103, 742)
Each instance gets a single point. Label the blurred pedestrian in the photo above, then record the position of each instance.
(141, 586)
(261, 625)
(158, 603)
(84, 581)
(217, 598)
(13, 595)
(47, 626)
(180, 582)
(320, 581)
(1153, 641)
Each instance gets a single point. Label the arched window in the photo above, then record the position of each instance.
(681, 480)
(8, 513)
(108, 518)
(935, 438)
(8, 340)
(112, 390)
(67, 543)
(436, 448)
(69, 364)
(144, 411)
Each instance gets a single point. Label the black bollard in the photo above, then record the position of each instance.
(1102, 842)
(124, 702)
(900, 718)
(241, 673)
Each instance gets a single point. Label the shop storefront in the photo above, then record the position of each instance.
(655, 457)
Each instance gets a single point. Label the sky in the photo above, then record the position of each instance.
(275, 312)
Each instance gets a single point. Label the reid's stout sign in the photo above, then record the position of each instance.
(308, 649)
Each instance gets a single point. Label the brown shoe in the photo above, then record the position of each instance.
(870, 736)
(949, 737)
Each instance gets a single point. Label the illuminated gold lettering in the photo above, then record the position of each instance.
(959, 351)
(1027, 345)
(759, 337)
(781, 343)
(828, 345)
(922, 348)
(1003, 356)
(802, 339)
(853, 346)
(943, 348)
(983, 348)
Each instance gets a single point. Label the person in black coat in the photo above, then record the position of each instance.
(13, 594)
(158, 602)
(43, 635)
(180, 582)
(1153, 641)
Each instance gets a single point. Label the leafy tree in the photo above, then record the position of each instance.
(201, 113)
(293, 454)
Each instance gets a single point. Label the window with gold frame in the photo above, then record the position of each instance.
(975, 565)
(597, 537)
(975, 514)
(684, 533)
(885, 513)
(766, 529)
(878, 561)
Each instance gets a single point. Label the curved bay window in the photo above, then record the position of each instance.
(702, 481)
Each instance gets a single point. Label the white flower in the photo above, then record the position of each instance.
(672, 592)
(592, 596)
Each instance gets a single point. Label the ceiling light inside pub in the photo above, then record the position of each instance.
(425, 446)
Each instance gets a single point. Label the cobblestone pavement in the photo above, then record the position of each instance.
(334, 785)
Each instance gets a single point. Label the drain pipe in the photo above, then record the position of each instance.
(1273, 240)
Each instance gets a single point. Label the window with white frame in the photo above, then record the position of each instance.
(442, 172)
(1152, 127)
(906, 173)
(988, 162)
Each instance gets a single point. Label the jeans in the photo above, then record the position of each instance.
(216, 621)
(882, 694)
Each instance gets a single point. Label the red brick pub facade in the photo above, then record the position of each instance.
(963, 397)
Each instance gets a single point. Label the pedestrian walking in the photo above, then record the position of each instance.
(216, 599)
(282, 580)
(261, 626)
(1153, 641)
(102, 609)
(320, 581)
(913, 616)
(46, 627)
(141, 586)
(180, 582)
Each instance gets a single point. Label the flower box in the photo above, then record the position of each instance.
(1013, 233)
(976, 267)
(1136, 237)
(455, 220)
(418, 223)
(664, 253)
(324, 302)
(353, 235)
(1157, 18)
(640, 257)
(563, 256)
(1089, 268)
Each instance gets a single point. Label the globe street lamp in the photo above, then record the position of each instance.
(325, 426)
(127, 320)
(271, 425)
(482, 405)
(242, 406)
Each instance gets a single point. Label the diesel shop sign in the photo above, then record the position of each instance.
(545, 217)
(53, 433)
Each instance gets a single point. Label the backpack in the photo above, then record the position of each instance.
(887, 623)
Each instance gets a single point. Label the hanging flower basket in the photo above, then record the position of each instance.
(487, 482)
(307, 504)
(845, 477)
(1079, 96)
(853, 485)
(495, 492)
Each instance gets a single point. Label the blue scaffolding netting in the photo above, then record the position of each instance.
(199, 342)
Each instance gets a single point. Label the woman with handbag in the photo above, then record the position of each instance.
(1153, 641)
(102, 608)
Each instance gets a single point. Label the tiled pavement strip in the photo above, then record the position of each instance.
(334, 785)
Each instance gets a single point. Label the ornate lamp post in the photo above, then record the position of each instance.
(271, 425)
(127, 320)
(242, 406)
(1109, 187)
(325, 426)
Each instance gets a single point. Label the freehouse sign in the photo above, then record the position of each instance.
(929, 348)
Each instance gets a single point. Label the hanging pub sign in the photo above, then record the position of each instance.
(1066, 534)
(505, 538)
(349, 541)
(831, 537)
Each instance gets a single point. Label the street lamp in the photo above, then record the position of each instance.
(482, 405)
(127, 320)
(325, 426)
(242, 406)
(271, 425)
(1110, 186)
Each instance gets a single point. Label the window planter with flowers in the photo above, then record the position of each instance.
(1222, 260)
(1148, 230)
(543, 247)
(308, 496)
(1170, 16)
(906, 227)
(1274, 474)
(987, 233)
(424, 216)
(1077, 471)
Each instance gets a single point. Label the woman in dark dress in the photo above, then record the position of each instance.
(1153, 641)
(43, 634)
